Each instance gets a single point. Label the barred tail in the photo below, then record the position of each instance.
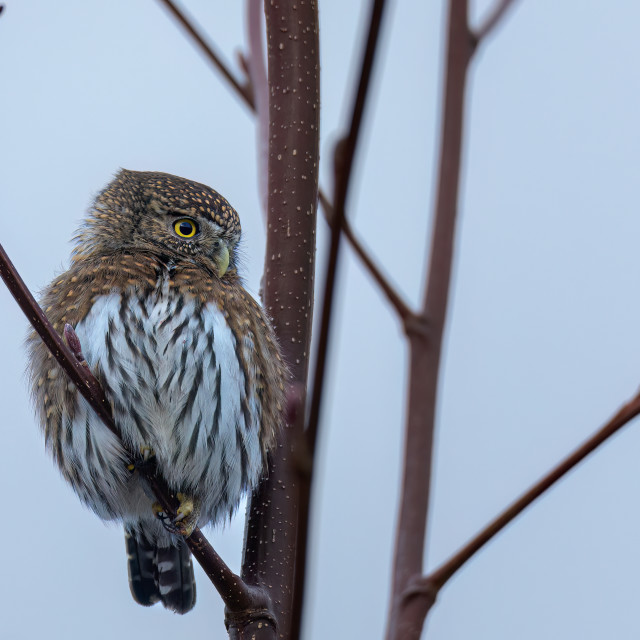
(160, 574)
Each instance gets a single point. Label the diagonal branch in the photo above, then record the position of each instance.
(209, 51)
(492, 20)
(237, 596)
(394, 298)
(441, 575)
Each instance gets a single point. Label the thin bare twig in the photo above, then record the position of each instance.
(257, 72)
(439, 576)
(343, 162)
(237, 596)
(403, 309)
(492, 20)
(209, 51)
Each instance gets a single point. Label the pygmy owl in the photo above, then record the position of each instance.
(188, 361)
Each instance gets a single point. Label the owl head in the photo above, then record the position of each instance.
(160, 214)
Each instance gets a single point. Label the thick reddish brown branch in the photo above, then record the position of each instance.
(256, 80)
(294, 90)
(425, 339)
(237, 596)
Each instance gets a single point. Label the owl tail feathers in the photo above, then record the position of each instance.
(160, 574)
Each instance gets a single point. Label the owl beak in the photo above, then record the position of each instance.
(222, 259)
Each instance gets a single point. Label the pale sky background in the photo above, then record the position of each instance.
(543, 340)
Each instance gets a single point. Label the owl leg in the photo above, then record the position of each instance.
(186, 518)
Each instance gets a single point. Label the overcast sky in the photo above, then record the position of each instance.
(542, 344)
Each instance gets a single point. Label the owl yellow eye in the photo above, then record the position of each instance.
(185, 228)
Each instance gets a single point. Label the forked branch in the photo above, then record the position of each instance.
(495, 16)
(389, 291)
(407, 614)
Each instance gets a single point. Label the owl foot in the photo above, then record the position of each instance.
(147, 452)
(147, 455)
(186, 518)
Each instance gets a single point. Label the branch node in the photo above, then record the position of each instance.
(246, 88)
(241, 619)
(493, 19)
(421, 587)
(74, 344)
(417, 325)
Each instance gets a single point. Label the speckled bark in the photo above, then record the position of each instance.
(292, 40)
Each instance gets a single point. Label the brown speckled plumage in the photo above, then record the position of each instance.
(187, 358)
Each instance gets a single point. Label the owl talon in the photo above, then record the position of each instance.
(147, 453)
(186, 518)
(147, 456)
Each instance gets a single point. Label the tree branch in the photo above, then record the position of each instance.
(406, 616)
(237, 596)
(442, 574)
(210, 53)
(402, 308)
(343, 162)
(252, 67)
(294, 100)
(257, 72)
(492, 20)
